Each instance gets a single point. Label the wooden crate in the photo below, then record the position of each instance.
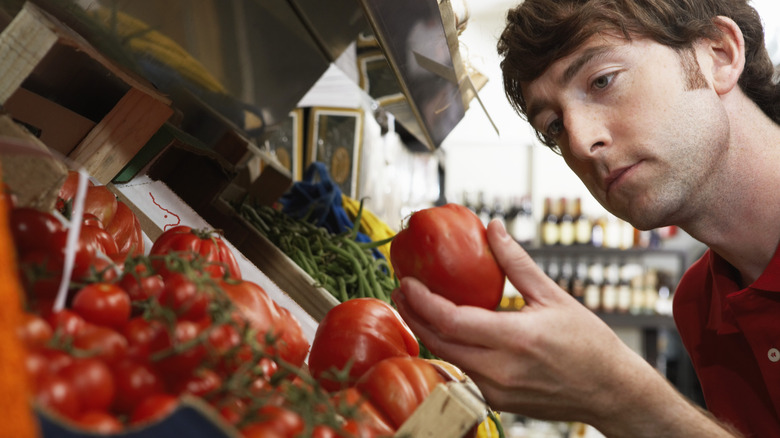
(451, 410)
(29, 169)
(75, 99)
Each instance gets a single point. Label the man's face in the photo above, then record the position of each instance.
(629, 125)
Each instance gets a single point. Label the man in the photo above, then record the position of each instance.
(666, 110)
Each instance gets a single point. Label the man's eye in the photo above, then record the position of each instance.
(603, 81)
(554, 129)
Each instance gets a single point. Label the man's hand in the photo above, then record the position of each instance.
(554, 359)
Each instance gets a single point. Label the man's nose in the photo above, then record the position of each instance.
(586, 130)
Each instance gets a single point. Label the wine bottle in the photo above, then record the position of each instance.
(565, 223)
(549, 226)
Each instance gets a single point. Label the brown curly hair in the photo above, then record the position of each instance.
(539, 32)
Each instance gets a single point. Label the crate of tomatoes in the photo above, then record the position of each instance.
(127, 340)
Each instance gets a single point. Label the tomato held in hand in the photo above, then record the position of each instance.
(190, 242)
(396, 386)
(446, 248)
(359, 332)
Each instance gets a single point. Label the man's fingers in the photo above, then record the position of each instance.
(521, 270)
(434, 318)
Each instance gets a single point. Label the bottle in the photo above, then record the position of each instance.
(651, 292)
(565, 223)
(597, 232)
(612, 232)
(525, 232)
(663, 305)
(583, 226)
(566, 275)
(593, 284)
(579, 280)
(626, 235)
(549, 227)
(637, 295)
(609, 291)
(624, 293)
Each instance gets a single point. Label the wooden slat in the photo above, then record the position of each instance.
(451, 410)
(121, 134)
(26, 40)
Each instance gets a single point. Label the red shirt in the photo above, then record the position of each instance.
(732, 335)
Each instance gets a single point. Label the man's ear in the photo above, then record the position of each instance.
(726, 54)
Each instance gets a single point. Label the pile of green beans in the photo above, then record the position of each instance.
(337, 262)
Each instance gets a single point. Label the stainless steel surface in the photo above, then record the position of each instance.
(413, 39)
(267, 54)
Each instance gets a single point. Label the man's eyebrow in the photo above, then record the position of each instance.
(581, 61)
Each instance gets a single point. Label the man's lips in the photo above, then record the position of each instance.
(614, 177)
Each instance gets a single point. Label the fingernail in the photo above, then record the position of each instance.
(501, 229)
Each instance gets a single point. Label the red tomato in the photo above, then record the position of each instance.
(269, 320)
(396, 386)
(201, 383)
(178, 354)
(359, 332)
(126, 231)
(446, 248)
(185, 297)
(363, 418)
(34, 332)
(140, 332)
(154, 408)
(99, 239)
(85, 251)
(67, 322)
(101, 270)
(35, 365)
(188, 243)
(100, 422)
(224, 344)
(103, 304)
(141, 284)
(31, 229)
(117, 219)
(275, 421)
(55, 359)
(40, 273)
(135, 381)
(323, 431)
(93, 382)
(58, 394)
(291, 344)
(232, 410)
(102, 342)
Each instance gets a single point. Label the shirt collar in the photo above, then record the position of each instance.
(726, 286)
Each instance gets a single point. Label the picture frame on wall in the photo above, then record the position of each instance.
(336, 140)
(286, 143)
(377, 78)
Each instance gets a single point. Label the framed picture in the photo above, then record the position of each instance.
(336, 139)
(377, 78)
(286, 143)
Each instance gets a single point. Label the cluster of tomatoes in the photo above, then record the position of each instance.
(142, 329)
